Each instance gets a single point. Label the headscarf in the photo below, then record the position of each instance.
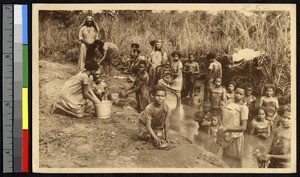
(93, 23)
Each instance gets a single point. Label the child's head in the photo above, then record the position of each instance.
(167, 77)
(211, 56)
(136, 52)
(176, 55)
(197, 90)
(222, 104)
(261, 114)
(214, 119)
(191, 57)
(286, 119)
(231, 86)
(159, 94)
(217, 81)
(239, 92)
(102, 87)
(270, 90)
(97, 77)
(142, 65)
(158, 44)
(166, 63)
(207, 107)
(249, 90)
(91, 66)
(270, 111)
(135, 46)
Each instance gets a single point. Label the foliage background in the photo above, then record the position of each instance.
(198, 32)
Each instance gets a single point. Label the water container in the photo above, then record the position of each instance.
(103, 109)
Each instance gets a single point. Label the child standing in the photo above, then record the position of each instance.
(230, 93)
(155, 118)
(140, 87)
(217, 94)
(214, 126)
(215, 70)
(176, 70)
(270, 102)
(250, 101)
(135, 58)
(196, 98)
(157, 56)
(190, 70)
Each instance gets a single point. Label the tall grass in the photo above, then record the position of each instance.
(196, 31)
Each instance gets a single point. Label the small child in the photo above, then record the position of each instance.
(190, 70)
(204, 117)
(214, 126)
(176, 70)
(249, 99)
(196, 97)
(272, 117)
(140, 87)
(217, 94)
(155, 118)
(230, 93)
(166, 79)
(222, 105)
(100, 88)
(134, 58)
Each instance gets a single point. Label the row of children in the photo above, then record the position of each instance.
(263, 117)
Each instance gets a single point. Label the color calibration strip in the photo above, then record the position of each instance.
(20, 89)
(25, 90)
(15, 88)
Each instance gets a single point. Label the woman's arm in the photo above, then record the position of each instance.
(282, 157)
(252, 127)
(224, 95)
(179, 70)
(239, 128)
(104, 56)
(261, 101)
(276, 104)
(87, 95)
(91, 91)
(197, 69)
(185, 70)
(269, 130)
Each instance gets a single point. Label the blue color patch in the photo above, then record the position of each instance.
(24, 25)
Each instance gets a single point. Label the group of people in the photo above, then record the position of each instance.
(92, 48)
(223, 113)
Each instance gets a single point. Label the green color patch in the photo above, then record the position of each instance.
(25, 65)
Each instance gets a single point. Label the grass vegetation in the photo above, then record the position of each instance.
(199, 32)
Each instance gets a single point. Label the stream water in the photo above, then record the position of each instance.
(182, 122)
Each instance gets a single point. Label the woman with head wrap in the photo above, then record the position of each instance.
(88, 33)
(157, 56)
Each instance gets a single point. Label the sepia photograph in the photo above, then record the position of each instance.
(167, 88)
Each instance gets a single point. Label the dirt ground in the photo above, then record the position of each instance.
(112, 142)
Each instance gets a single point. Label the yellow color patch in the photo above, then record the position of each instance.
(25, 108)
